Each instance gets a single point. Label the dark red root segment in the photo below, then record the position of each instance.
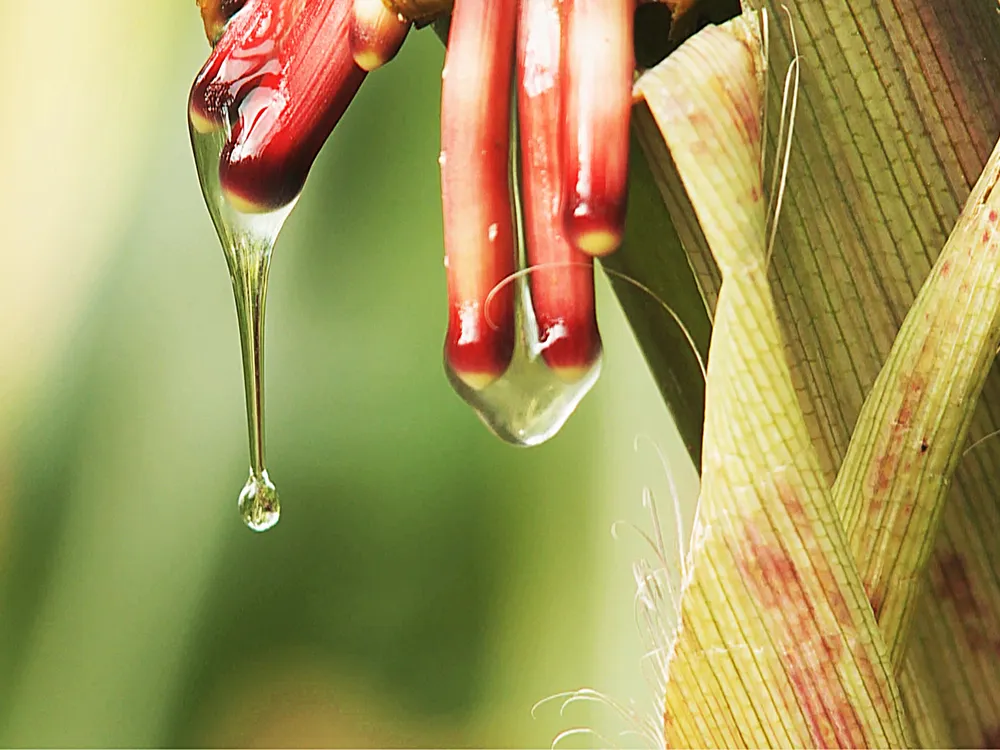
(300, 95)
(480, 248)
(238, 58)
(376, 34)
(597, 75)
(215, 14)
(562, 277)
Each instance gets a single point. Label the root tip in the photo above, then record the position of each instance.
(477, 381)
(598, 242)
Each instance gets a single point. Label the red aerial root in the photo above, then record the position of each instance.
(562, 277)
(475, 188)
(598, 70)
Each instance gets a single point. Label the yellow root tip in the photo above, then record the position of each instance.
(598, 242)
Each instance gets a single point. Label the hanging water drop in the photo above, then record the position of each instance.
(247, 241)
(258, 502)
(532, 400)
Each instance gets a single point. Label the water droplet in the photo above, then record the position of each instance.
(259, 504)
(247, 241)
(531, 401)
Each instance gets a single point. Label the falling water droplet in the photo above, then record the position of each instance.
(247, 241)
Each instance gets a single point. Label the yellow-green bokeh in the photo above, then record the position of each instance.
(426, 585)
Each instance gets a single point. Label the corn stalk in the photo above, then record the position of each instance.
(878, 344)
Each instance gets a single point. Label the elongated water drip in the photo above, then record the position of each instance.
(274, 87)
(247, 241)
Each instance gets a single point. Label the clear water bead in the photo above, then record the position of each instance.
(259, 504)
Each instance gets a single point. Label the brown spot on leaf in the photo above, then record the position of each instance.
(887, 465)
(832, 720)
(793, 503)
(952, 583)
(991, 737)
(874, 598)
(700, 121)
(795, 507)
(668, 722)
(773, 576)
(945, 268)
(837, 603)
(993, 216)
(746, 102)
(956, 585)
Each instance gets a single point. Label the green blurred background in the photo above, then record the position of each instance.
(426, 585)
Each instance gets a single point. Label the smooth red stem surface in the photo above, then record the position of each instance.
(480, 248)
(562, 277)
(598, 70)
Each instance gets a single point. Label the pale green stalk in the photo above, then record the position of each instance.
(912, 429)
(777, 645)
(896, 118)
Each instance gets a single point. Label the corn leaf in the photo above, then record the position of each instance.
(777, 644)
(896, 119)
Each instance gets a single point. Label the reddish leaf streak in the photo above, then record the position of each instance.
(887, 465)
(875, 599)
(746, 100)
(991, 737)
(810, 657)
(954, 585)
(951, 582)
